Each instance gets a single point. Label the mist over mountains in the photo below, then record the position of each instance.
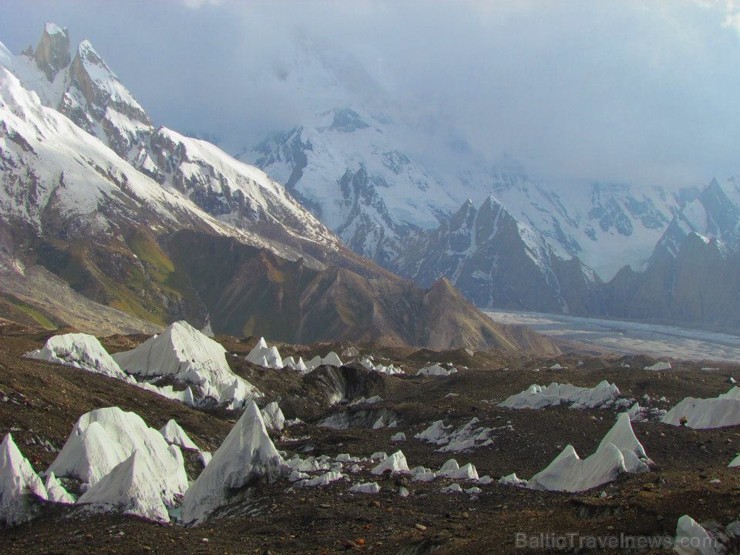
(503, 238)
(163, 227)
(506, 240)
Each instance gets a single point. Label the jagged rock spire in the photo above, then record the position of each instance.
(52, 53)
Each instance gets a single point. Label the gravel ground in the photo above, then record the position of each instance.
(39, 404)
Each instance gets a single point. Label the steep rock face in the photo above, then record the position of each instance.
(698, 286)
(692, 274)
(96, 99)
(52, 52)
(496, 261)
(605, 225)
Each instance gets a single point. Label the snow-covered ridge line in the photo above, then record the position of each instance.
(168, 172)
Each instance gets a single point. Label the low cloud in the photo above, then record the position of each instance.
(620, 90)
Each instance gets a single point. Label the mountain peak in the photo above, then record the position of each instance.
(101, 93)
(52, 53)
(347, 120)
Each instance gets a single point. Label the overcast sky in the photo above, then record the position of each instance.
(611, 90)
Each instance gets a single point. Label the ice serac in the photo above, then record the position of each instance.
(539, 397)
(104, 438)
(395, 464)
(79, 350)
(175, 435)
(623, 436)
(20, 486)
(436, 370)
(268, 357)
(130, 488)
(692, 539)
(703, 414)
(246, 455)
(57, 492)
(273, 417)
(192, 359)
(618, 452)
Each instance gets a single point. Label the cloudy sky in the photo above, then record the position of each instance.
(618, 90)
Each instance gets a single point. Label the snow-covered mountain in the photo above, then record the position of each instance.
(349, 159)
(692, 275)
(606, 226)
(87, 91)
(351, 172)
(497, 260)
(121, 211)
(713, 214)
(381, 175)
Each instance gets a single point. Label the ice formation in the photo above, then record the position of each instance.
(390, 369)
(192, 359)
(19, 484)
(436, 370)
(129, 488)
(79, 350)
(452, 470)
(692, 539)
(395, 464)
(468, 436)
(269, 357)
(273, 417)
(618, 452)
(246, 454)
(367, 487)
(104, 438)
(175, 435)
(56, 491)
(512, 480)
(539, 397)
(703, 414)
